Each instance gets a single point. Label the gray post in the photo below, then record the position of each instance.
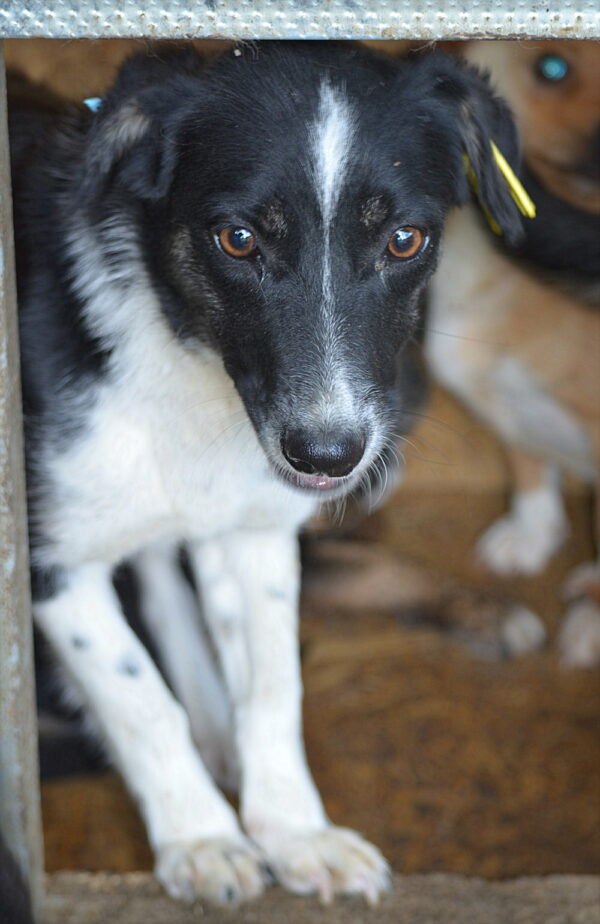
(20, 818)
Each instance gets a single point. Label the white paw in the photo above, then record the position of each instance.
(582, 579)
(522, 632)
(221, 870)
(328, 862)
(519, 545)
(579, 636)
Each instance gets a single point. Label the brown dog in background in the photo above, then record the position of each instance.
(554, 91)
(524, 350)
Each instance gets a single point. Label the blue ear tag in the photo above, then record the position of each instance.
(93, 103)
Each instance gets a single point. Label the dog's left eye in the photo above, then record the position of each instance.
(406, 242)
(237, 242)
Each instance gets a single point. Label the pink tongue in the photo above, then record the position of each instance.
(321, 482)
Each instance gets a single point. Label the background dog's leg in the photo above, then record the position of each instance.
(524, 540)
(170, 611)
(579, 637)
(200, 848)
(250, 584)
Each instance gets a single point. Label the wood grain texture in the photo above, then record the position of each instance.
(438, 899)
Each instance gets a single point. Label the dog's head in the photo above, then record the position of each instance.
(290, 201)
(554, 90)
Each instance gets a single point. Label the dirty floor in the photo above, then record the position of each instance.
(437, 899)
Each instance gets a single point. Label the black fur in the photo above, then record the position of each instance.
(123, 283)
(562, 242)
(178, 151)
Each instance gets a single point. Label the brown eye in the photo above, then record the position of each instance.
(406, 242)
(237, 242)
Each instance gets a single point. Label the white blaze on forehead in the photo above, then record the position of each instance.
(332, 138)
(332, 135)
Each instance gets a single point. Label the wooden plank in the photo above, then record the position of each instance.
(84, 898)
(19, 779)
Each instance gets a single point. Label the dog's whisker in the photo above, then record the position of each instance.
(236, 426)
(393, 445)
(200, 403)
(419, 438)
(422, 458)
(437, 421)
(500, 344)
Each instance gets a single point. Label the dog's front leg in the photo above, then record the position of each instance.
(579, 637)
(524, 540)
(200, 848)
(250, 585)
(169, 610)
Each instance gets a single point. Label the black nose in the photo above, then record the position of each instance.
(332, 454)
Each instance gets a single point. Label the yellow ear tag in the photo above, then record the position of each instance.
(516, 188)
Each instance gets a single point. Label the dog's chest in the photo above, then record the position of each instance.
(166, 454)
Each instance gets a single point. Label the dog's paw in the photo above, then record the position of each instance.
(579, 636)
(584, 579)
(522, 632)
(328, 862)
(220, 870)
(491, 625)
(517, 545)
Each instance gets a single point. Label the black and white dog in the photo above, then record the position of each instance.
(218, 273)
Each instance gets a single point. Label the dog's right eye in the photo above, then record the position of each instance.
(237, 242)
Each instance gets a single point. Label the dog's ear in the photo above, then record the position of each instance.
(133, 137)
(471, 117)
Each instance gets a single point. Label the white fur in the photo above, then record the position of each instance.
(527, 416)
(332, 136)
(524, 540)
(123, 484)
(168, 454)
(579, 637)
(250, 592)
(522, 632)
(146, 729)
(581, 578)
(169, 609)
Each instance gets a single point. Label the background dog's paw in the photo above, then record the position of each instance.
(584, 579)
(516, 545)
(328, 862)
(579, 636)
(218, 869)
(491, 625)
(522, 632)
